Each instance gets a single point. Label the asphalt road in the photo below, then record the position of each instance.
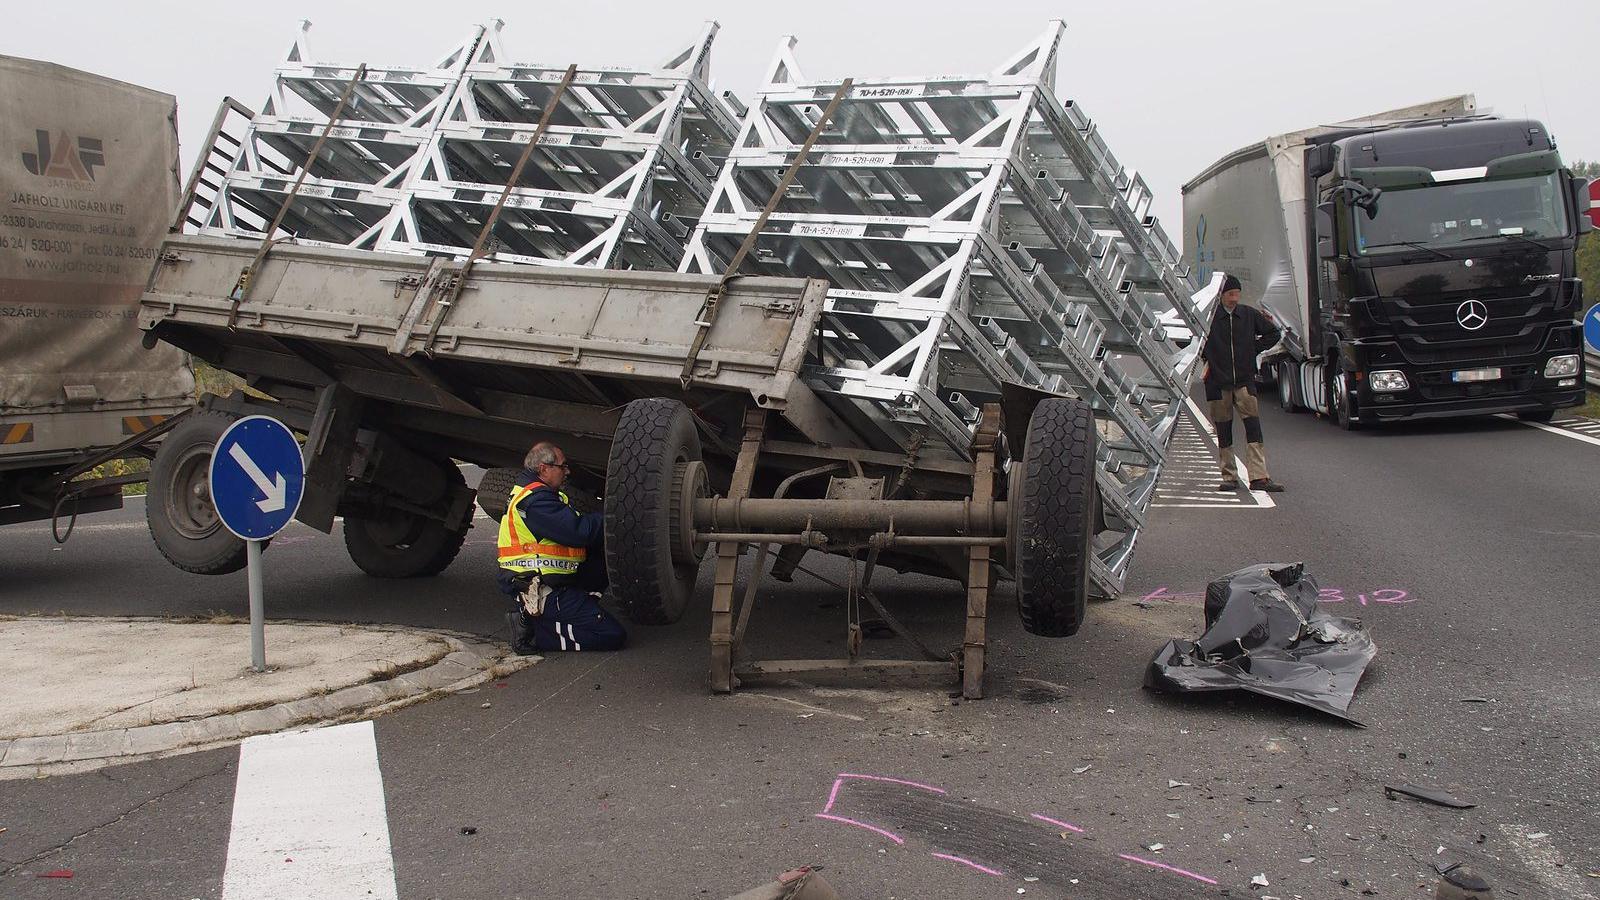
(1465, 546)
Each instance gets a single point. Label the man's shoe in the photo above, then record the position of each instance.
(1266, 484)
(1232, 484)
(521, 634)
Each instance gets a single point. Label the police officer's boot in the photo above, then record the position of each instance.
(521, 633)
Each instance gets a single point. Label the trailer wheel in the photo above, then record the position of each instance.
(394, 543)
(654, 444)
(1052, 518)
(182, 520)
(1288, 386)
(494, 491)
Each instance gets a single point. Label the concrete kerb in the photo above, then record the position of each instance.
(469, 662)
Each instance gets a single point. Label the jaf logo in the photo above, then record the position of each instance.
(74, 159)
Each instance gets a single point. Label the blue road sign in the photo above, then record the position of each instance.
(1591, 328)
(257, 477)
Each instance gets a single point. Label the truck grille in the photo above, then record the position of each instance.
(1427, 330)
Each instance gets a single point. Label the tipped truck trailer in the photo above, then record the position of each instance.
(972, 370)
(1421, 262)
(89, 170)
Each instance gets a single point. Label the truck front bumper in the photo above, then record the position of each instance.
(1434, 392)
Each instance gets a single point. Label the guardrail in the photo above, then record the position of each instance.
(1591, 368)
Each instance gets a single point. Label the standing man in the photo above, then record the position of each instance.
(552, 563)
(1237, 334)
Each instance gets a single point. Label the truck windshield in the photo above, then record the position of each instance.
(1444, 215)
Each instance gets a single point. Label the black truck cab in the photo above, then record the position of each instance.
(1447, 279)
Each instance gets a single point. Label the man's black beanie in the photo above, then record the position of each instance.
(1230, 283)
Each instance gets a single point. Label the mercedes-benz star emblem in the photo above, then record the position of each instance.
(1472, 315)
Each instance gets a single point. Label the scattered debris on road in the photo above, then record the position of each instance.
(1427, 795)
(1266, 633)
(56, 873)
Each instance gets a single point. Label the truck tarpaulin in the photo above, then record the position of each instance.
(89, 180)
(1265, 633)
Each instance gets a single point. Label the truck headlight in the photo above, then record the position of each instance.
(1561, 366)
(1388, 381)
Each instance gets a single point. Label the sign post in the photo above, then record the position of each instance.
(257, 479)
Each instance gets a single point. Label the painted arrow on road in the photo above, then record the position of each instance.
(276, 493)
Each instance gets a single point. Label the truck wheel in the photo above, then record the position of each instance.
(1344, 413)
(652, 449)
(182, 520)
(1052, 518)
(395, 543)
(494, 491)
(1288, 382)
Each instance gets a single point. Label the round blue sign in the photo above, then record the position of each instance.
(1591, 328)
(257, 477)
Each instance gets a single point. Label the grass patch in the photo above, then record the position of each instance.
(1590, 408)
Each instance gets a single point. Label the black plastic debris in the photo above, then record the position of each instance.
(1427, 795)
(1265, 633)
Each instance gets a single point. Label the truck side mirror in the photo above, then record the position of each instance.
(1327, 246)
(1580, 205)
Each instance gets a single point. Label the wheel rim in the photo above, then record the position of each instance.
(1285, 387)
(188, 495)
(1341, 398)
(395, 529)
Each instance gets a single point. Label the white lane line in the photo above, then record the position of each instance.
(309, 818)
(1263, 499)
(1564, 432)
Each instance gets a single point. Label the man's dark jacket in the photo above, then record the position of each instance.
(547, 517)
(1231, 347)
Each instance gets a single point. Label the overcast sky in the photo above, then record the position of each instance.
(1173, 85)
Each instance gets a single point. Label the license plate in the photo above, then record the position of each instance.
(1490, 374)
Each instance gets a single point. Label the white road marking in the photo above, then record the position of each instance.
(309, 818)
(1564, 432)
(1545, 863)
(1190, 471)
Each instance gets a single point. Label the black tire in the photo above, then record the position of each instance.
(1537, 415)
(1344, 415)
(178, 509)
(1052, 518)
(654, 438)
(1288, 382)
(494, 491)
(401, 544)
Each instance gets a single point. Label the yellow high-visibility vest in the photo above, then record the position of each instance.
(524, 552)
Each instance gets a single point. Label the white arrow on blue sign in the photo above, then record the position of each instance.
(1591, 328)
(257, 477)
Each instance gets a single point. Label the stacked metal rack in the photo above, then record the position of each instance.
(976, 232)
(415, 160)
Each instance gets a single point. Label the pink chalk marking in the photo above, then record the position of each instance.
(833, 795)
(1173, 869)
(1058, 823)
(972, 865)
(888, 834)
(926, 787)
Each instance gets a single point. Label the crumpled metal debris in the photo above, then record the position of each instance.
(1265, 633)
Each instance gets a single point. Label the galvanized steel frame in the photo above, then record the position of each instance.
(415, 163)
(976, 231)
